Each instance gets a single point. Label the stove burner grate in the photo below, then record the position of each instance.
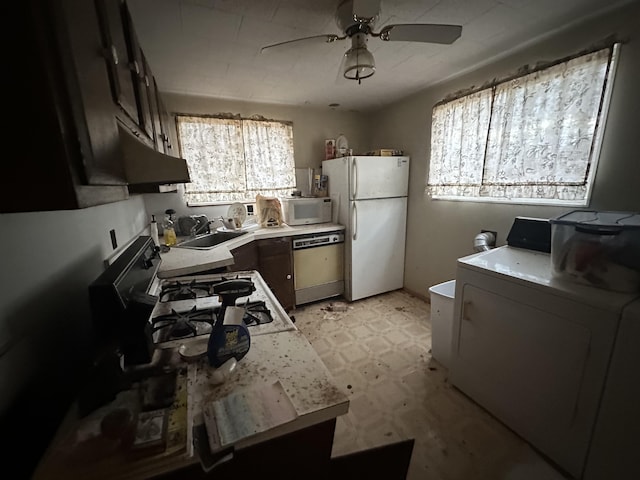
(189, 324)
(256, 313)
(177, 290)
(195, 322)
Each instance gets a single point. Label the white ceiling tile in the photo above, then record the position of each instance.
(209, 23)
(457, 12)
(212, 47)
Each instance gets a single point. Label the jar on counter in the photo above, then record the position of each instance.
(168, 227)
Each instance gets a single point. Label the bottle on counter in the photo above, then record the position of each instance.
(169, 229)
(154, 231)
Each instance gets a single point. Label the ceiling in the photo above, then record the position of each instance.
(212, 47)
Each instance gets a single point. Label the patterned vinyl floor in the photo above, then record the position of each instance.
(378, 350)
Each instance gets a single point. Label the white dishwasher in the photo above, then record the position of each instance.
(318, 265)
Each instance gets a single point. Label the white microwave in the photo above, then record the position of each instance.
(306, 211)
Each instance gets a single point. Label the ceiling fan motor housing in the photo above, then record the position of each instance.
(351, 22)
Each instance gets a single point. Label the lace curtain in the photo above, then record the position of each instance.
(232, 160)
(528, 138)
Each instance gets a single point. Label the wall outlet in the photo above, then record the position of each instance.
(114, 242)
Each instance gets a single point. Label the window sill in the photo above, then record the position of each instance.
(516, 201)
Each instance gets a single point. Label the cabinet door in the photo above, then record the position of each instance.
(79, 40)
(165, 122)
(141, 78)
(121, 66)
(276, 267)
(527, 366)
(155, 111)
(245, 257)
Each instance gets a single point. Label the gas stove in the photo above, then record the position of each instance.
(138, 311)
(187, 307)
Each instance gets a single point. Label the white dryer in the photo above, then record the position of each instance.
(535, 351)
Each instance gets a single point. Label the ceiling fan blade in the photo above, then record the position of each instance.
(422, 32)
(317, 39)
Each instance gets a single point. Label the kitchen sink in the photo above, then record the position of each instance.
(209, 240)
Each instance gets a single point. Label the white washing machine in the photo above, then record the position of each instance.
(535, 351)
(614, 447)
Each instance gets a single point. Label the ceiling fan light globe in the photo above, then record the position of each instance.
(359, 63)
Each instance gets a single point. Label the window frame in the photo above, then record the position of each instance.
(225, 116)
(597, 136)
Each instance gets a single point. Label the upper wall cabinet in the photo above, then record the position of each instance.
(87, 96)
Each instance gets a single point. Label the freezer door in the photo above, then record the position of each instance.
(378, 177)
(376, 246)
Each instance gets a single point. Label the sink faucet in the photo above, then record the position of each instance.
(199, 227)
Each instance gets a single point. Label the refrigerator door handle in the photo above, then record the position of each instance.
(354, 179)
(354, 221)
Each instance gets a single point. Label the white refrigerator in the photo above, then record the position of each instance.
(370, 197)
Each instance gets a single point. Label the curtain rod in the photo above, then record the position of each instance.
(232, 116)
(608, 42)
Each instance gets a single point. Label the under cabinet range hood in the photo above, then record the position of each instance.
(144, 165)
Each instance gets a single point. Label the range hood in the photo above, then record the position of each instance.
(144, 165)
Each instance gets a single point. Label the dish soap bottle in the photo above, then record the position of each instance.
(169, 229)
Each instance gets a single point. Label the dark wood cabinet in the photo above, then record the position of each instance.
(71, 157)
(123, 68)
(275, 264)
(245, 257)
(170, 148)
(80, 90)
(142, 78)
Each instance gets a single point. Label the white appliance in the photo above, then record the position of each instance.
(614, 450)
(370, 195)
(306, 211)
(318, 266)
(536, 352)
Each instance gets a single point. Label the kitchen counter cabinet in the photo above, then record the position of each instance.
(245, 257)
(185, 261)
(275, 264)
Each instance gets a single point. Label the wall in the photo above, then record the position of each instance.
(438, 231)
(48, 260)
(311, 126)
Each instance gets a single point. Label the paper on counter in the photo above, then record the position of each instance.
(245, 413)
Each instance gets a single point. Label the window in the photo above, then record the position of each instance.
(530, 139)
(233, 159)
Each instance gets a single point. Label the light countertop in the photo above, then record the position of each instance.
(79, 450)
(186, 261)
(287, 357)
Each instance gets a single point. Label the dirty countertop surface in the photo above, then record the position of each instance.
(185, 261)
(285, 357)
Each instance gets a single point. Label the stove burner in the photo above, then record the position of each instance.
(180, 325)
(194, 289)
(256, 313)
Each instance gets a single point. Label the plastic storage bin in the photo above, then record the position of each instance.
(601, 249)
(442, 297)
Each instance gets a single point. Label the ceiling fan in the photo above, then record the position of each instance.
(356, 19)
